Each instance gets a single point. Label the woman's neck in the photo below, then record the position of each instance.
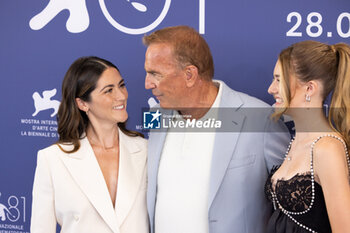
(104, 137)
(310, 124)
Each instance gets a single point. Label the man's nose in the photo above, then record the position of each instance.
(149, 83)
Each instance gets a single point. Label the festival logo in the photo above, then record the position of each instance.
(45, 102)
(41, 122)
(79, 20)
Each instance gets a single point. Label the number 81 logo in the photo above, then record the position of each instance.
(12, 212)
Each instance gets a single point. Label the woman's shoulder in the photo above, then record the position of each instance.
(52, 148)
(57, 148)
(329, 150)
(329, 144)
(49, 154)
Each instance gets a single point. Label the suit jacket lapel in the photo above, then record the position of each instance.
(85, 170)
(132, 160)
(224, 145)
(155, 147)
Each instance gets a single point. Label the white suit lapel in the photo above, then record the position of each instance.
(225, 143)
(85, 170)
(132, 160)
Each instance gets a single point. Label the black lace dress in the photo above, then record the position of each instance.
(299, 205)
(294, 195)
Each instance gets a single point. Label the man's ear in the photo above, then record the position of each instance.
(82, 105)
(191, 72)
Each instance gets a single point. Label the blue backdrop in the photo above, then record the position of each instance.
(40, 39)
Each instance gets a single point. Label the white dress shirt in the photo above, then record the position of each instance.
(183, 179)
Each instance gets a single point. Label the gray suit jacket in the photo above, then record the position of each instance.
(241, 161)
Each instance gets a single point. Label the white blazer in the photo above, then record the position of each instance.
(69, 189)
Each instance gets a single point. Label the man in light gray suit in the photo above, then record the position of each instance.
(206, 182)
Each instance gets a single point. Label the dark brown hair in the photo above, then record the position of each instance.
(189, 48)
(330, 64)
(79, 81)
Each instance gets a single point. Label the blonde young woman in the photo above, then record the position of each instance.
(310, 191)
(93, 180)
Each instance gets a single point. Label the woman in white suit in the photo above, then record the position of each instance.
(93, 180)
